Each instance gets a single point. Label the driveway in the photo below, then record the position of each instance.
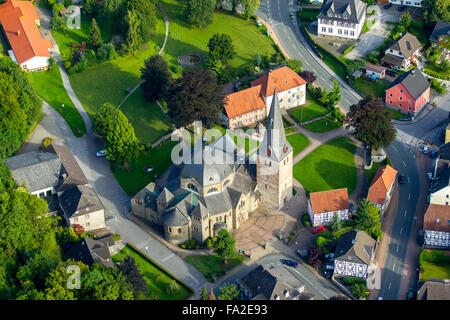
(379, 30)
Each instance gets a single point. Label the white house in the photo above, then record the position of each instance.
(341, 18)
(412, 3)
(440, 189)
(402, 52)
(19, 22)
(436, 226)
(247, 107)
(354, 254)
(323, 205)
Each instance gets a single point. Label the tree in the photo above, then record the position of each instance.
(95, 38)
(130, 269)
(295, 65)
(121, 145)
(134, 39)
(106, 52)
(334, 96)
(172, 287)
(226, 245)
(354, 65)
(368, 218)
(195, 96)
(315, 256)
(235, 4)
(406, 20)
(308, 76)
(200, 12)
(204, 294)
(435, 10)
(229, 292)
(91, 8)
(146, 11)
(156, 78)
(250, 7)
(336, 224)
(221, 48)
(372, 122)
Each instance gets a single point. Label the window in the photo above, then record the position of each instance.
(346, 32)
(330, 30)
(87, 216)
(401, 91)
(390, 101)
(192, 187)
(352, 33)
(339, 31)
(179, 230)
(324, 29)
(400, 105)
(170, 229)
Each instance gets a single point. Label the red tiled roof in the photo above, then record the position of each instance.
(381, 183)
(328, 201)
(18, 19)
(282, 78)
(437, 218)
(244, 101)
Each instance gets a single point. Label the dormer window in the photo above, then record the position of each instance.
(285, 149)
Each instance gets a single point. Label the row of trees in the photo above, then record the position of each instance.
(193, 96)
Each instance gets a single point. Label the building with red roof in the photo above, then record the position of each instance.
(323, 205)
(247, 107)
(380, 191)
(19, 22)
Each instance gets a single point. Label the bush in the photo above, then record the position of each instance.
(106, 52)
(116, 237)
(308, 224)
(321, 241)
(436, 85)
(190, 244)
(46, 142)
(305, 219)
(327, 235)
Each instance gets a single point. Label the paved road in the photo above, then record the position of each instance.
(402, 153)
(276, 13)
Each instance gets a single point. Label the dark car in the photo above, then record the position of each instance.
(351, 207)
(391, 73)
(387, 6)
(401, 179)
(433, 154)
(401, 8)
(290, 263)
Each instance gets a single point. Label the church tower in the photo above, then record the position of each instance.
(275, 160)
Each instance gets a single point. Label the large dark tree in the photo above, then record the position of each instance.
(95, 38)
(221, 48)
(130, 269)
(200, 12)
(156, 77)
(435, 10)
(372, 122)
(195, 96)
(315, 256)
(308, 76)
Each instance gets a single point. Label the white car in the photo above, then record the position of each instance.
(425, 149)
(101, 153)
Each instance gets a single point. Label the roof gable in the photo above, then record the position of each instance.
(329, 201)
(381, 183)
(281, 79)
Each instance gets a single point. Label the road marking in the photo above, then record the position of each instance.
(405, 212)
(397, 250)
(409, 196)
(168, 257)
(404, 163)
(389, 286)
(394, 148)
(393, 267)
(401, 229)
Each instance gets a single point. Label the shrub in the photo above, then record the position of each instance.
(305, 219)
(327, 235)
(172, 287)
(308, 224)
(321, 241)
(116, 237)
(208, 243)
(46, 142)
(436, 85)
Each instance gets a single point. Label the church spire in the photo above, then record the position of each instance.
(275, 144)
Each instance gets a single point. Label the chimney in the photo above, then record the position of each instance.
(18, 32)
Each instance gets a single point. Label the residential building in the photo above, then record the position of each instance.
(373, 71)
(409, 92)
(274, 283)
(195, 200)
(19, 22)
(410, 3)
(247, 107)
(382, 187)
(447, 134)
(440, 189)
(40, 172)
(402, 52)
(440, 37)
(434, 289)
(436, 226)
(354, 254)
(81, 206)
(90, 251)
(341, 18)
(323, 205)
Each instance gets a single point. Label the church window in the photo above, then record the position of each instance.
(192, 187)
(212, 190)
(226, 182)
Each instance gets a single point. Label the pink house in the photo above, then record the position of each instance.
(409, 92)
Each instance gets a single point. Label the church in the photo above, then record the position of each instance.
(196, 200)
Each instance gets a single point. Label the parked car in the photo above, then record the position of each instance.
(401, 179)
(433, 154)
(387, 5)
(410, 294)
(101, 153)
(424, 149)
(318, 229)
(351, 207)
(302, 253)
(290, 263)
(291, 15)
(401, 8)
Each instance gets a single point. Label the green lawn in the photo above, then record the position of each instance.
(395, 114)
(298, 141)
(134, 179)
(368, 87)
(213, 265)
(322, 125)
(331, 166)
(50, 87)
(156, 288)
(433, 270)
(308, 14)
(308, 112)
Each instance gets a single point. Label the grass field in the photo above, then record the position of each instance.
(330, 166)
(298, 141)
(213, 265)
(157, 280)
(50, 87)
(432, 270)
(134, 179)
(322, 125)
(308, 112)
(367, 87)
